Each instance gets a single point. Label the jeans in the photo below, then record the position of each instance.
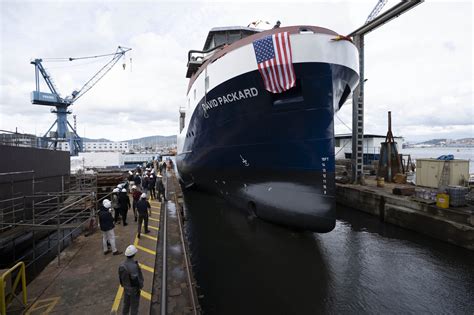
(130, 303)
(108, 236)
(142, 218)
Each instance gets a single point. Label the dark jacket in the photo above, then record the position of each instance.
(124, 201)
(145, 183)
(160, 186)
(106, 220)
(137, 180)
(151, 184)
(130, 276)
(142, 207)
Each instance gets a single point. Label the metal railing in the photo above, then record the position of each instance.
(5, 282)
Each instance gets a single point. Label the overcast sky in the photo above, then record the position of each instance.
(419, 65)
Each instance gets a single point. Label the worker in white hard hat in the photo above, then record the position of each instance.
(106, 222)
(138, 180)
(124, 204)
(161, 193)
(145, 183)
(144, 211)
(136, 193)
(115, 205)
(130, 180)
(151, 186)
(131, 279)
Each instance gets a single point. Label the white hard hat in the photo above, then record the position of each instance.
(134, 187)
(151, 176)
(143, 196)
(131, 250)
(116, 190)
(136, 173)
(124, 190)
(130, 172)
(106, 203)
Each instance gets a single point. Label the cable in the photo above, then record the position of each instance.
(343, 123)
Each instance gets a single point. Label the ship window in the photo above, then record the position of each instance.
(219, 39)
(234, 36)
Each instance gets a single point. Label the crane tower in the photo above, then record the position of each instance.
(53, 98)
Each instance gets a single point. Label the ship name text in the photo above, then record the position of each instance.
(228, 98)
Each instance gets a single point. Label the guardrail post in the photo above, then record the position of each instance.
(3, 306)
(57, 235)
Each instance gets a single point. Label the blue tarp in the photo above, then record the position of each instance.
(448, 157)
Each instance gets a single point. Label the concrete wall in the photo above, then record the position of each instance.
(451, 225)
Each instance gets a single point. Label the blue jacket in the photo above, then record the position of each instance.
(106, 220)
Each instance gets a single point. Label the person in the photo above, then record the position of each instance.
(145, 182)
(151, 186)
(136, 193)
(162, 167)
(161, 188)
(115, 205)
(144, 210)
(131, 279)
(130, 179)
(138, 180)
(124, 203)
(106, 222)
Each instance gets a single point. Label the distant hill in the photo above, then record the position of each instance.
(449, 142)
(434, 141)
(145, 141)
(154, 140)
(95, 140)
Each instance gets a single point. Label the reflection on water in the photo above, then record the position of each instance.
(252, 267)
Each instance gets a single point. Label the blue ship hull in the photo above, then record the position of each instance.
(271, 154)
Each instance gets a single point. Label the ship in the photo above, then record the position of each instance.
(258, 124)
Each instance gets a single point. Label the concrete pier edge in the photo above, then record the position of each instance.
(449, 225)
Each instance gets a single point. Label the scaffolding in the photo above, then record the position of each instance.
(45, 222)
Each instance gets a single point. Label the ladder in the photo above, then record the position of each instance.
(444, 179)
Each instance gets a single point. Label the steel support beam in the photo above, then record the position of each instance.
(358, 117)
(358, 94)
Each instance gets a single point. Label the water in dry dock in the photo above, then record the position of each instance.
(363, 266)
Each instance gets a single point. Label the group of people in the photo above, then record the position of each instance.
(149, 181)
(115, 210)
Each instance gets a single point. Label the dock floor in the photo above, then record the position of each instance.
(86, 281)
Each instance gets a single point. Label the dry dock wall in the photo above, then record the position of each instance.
(49, 167)
(450, 225)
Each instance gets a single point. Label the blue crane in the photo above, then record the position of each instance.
(376, 10)
(53, 98)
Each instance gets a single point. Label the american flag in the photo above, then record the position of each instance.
(273, 54)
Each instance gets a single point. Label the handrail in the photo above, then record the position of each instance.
(21, 275)
(203, 51)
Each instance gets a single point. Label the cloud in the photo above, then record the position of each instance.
(421, 71)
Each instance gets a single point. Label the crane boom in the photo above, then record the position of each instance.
(100, 74)
(376, 10)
